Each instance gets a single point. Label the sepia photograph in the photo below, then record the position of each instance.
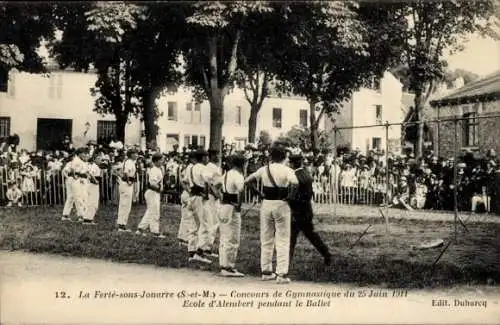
(250, 162)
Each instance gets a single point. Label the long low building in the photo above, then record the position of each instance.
(43, 109)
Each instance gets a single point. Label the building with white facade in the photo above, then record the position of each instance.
(43, 109)
(371, 106)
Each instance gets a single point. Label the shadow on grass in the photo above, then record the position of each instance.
(375, 260)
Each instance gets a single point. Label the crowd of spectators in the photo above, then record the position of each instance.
(346, 177)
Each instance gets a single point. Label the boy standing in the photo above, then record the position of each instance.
(151, 218)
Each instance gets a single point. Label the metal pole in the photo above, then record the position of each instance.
(387, 177)
(455, 181)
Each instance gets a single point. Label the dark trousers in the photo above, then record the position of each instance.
(302, 222)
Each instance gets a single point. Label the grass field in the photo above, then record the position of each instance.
(387, 261)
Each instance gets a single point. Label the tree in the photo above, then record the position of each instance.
(214, 34)
(255, 84)
(255, 61)
(23, 27)
(301, 138)
(134, 49)
(155, 45)
(95, 35)
(327, 57)
(428, 28)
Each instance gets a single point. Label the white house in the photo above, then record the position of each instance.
(373, 107)
(42, 109)
(185, 122)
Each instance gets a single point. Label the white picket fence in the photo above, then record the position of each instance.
(46, 188)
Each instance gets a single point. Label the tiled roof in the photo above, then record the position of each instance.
(485, 89)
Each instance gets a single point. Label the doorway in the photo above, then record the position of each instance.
(51, 132)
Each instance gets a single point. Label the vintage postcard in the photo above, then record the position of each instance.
(250, 162)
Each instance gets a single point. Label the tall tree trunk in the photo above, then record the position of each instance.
(313, 126)
(420, 127)
(216, 118)
(150, 115)
(252, 123)
(121, 123)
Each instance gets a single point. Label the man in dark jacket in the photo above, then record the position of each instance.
(301, 208)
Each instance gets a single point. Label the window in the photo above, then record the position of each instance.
(187, 140)
(203, 141)
(55, 86)
(303, 118)
(105, 131)
(376, 143)
(197, 113)
(378, 114)
(4, 127)
(172, 111)
(189, 109)
(238, 115)
(470, 130)
(4, 80)
(277, 117)
(194, 141)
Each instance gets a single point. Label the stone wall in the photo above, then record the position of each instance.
(488, 129)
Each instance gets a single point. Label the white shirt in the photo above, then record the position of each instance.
(78, 166)
(212, 172)
(155, 176)
(129, 168)
(234, 182)
(185, 174)
(116, 145)
(197, 176)
(94, 170)
(283, 175)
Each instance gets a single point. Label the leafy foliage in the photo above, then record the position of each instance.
(133, 49)
(23, 26)
(428, 28)
(301, 138)
(330, 52)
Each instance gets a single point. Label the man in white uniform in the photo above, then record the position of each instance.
(231, 184)
(78, 170)
(126, 188)
(197, 234)
(93, 190)
(280, 183)
(182, 235)
(212, 173)
(151, 218)
(70, 201)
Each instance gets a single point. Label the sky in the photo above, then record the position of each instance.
(481, 56)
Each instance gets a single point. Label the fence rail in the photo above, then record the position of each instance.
(47, 188)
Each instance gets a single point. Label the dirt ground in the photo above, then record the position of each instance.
(378, 258)
(29, 283)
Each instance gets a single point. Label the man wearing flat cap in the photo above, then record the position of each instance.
(301, 207)
(126, 183)
(279, 183)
